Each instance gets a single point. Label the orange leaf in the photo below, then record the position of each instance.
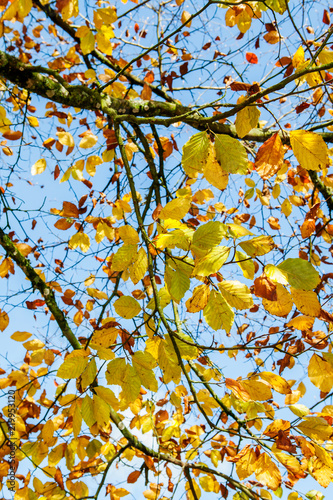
(269, 157)
(251, 58)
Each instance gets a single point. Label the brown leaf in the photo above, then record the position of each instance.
(326, 18)
(11, 135)
(265, 288)
(134, 476)
(63, 224)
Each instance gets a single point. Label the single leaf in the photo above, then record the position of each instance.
(301, 274)
(127, 307)
(320, 373)
(269, 157)
(231, 154)
(213, 172)
(306, 301)
(176, 209)
(217, 313)
(38, 167)
(212, 262)
(258, 246)
(237, 294)
(72, 367)
(246, 119)
(310, 149)
(195, 151)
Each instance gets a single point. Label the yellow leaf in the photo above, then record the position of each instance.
(237, 294)
(97, 294)
(278, 383)
(144, 362)
(207, 236)
(306, 301)
(246, 264)
(124, 257)
(316, 428)
(127, 307)
(139, 267)
(301, 323)
(4, 320)
(326, 56)
(258, 246)
(104, 44)
(310, 150)
(217, 313)
(185, 18)
(212, 262)
(267, 472)
(108, 396)
(320, 373)
(20, 336)
(244, 21)
(106, 336)
(176, 209)
(207, 483)
(77, 421)
(129, 235)
(257, 389)
(290, 463)
(91, 163)
(66, 139)
(286, 207)
(38, 167)
(213, 172)
(87, 42)
(88, 141)
(282, 305)
(81, 240)
(101, 411)
(72, 367)
(299, 410)
(199, 299)
(33, 121)
(195, 151)
(231, 154)
(246, 119)
(245, 466)
(275, 274)
(298, 58)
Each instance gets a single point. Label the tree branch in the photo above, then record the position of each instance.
(136, 110)
(40, 285)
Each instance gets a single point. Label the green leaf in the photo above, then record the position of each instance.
(301, 273)
(231, 154)
(195, 151)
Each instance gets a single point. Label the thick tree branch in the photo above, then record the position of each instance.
(136, 110)
(40, 285)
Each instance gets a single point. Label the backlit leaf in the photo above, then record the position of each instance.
(309, 149)
(127, 307)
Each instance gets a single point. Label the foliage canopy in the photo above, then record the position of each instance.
(166, 242)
